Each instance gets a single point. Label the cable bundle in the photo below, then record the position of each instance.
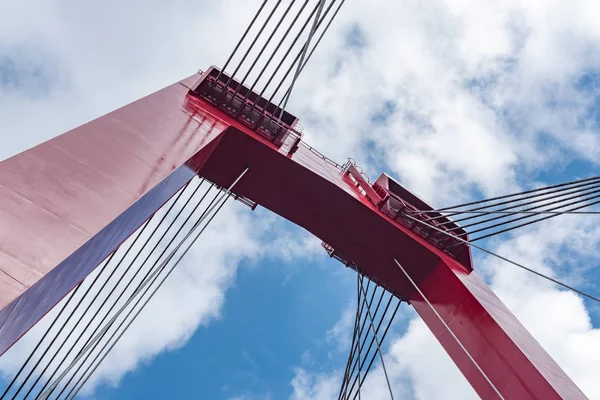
(298, 44)
(495, 215)
(356, 373)
(72, 348)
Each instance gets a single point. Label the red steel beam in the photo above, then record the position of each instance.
(68, 203)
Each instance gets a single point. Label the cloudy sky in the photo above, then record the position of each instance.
(458, 99)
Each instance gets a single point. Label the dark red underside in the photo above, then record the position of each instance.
(109, 184)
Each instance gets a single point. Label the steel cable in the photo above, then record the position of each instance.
(40, 341)
(595, 178)
(78, 387)
(156, 245)
(503, 216)
(587, 202)
(264, 47)
(113, 319)
(104, 267)
(249, 49)
(293, 64)
(303, 56)
(372, 327)
(281, 41)
(467, 242)
(237, 46)
(285, 56)
(114, 287)
(516, 203)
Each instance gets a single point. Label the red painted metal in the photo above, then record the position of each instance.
(114, 165)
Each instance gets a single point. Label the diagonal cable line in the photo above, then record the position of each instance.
(57, 381)
(79, 302)
(540, 199)
(78, 388)
(299, 54)
(93, 348)
(592, 179)
(467, 353)
(157, 244)
(262, 50)
(287, 93)
(40, 341)
(149, 255)
(313, 30)
(533, 221)
(281, 41)
(594, 195)
(512, 212)
(285, 55)
(230, 79)
(564, 285)
(237, 46)
(113, 289)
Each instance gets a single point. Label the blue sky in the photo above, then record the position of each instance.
(458, 100)
(270, 322)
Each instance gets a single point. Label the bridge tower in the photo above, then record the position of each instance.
(68, 203)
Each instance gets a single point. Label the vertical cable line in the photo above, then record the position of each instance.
(132, 279)
(382, 339)
(351, 353)
(358, 362)
(116, 316)
(363, 361)
(358, 334)
(364, 296)
(372, 327)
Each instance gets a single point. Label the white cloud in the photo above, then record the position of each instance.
(478, 89)
(314, 386)
(558, 319)
(481, 95)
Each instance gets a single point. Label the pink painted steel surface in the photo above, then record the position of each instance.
(67, 203)
(304, 188)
